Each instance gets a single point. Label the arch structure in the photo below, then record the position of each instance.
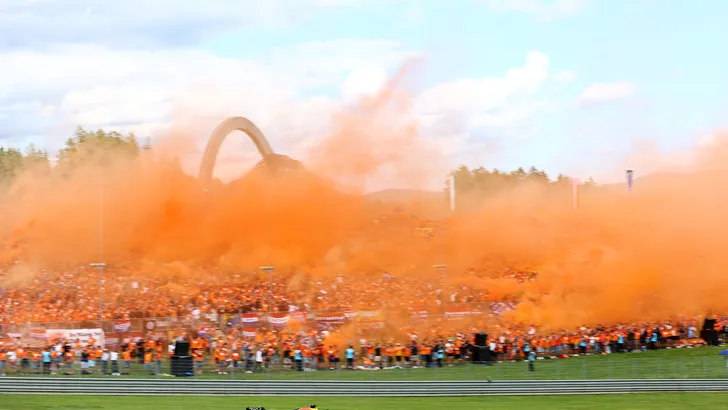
(207, 166)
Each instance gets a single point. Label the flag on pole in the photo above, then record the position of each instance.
(630, 179)
(452, 192)
(574, 192)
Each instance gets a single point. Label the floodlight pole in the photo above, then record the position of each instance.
(100, 267)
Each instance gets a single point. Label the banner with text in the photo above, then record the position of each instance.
(330, 317)
(82, 335)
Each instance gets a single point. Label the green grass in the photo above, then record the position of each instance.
(663, 364)
(664, 401)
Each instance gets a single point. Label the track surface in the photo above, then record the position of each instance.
(188, 387)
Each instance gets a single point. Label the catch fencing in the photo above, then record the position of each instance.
(126, 387)
(704, 363)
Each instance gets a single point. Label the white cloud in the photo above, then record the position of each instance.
(491, 106)
(602, 92)
(364, 82)
(543, 10)
(144, 71)
(142, 91)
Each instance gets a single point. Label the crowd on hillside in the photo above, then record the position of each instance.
(74, 296)
(77, 295)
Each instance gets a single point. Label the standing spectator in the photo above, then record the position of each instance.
(105, 361)
(70, 356)
(23, 357)
(126, 357)
(84, 360)
(350, 353)
(3, 361)
(114, 356)
(532, 361)
(158, 362)
(46, 361)
(12, 359)
(378, 356)
(259, 358)
(298, 358)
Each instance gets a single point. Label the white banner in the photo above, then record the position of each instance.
(82, 335)
(122, 326)
(278, 320)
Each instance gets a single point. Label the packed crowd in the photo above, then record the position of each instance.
(133, 290)
(76, 295)
(228, 349)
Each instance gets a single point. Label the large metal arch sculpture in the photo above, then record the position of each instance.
(207, 166)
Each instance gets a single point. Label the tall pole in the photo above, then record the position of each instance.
(101, 252)
(101, 265)
(452, 192)
(270, 293)
(574, 192)
(630, 180)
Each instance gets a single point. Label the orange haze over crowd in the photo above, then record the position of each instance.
(619, 257)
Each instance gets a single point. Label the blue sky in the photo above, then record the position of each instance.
(662, 74)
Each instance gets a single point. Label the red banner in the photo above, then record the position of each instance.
(250, 331)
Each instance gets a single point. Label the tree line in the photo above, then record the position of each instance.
(99, 145)
(484, 181)
(82, 146)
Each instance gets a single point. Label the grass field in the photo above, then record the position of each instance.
(664, 401)
(663, 364)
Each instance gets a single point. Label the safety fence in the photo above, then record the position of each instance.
(704, 363)
(349, 388)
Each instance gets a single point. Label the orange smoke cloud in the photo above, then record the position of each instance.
(619, 257)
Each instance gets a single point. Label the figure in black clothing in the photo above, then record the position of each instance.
(140, 351)
(378, 356)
